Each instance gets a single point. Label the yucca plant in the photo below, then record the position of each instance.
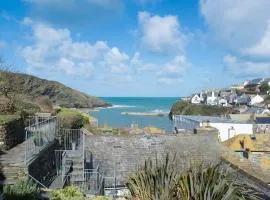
(23, 190)
(154, 181)
(164, 182)
(212, 183)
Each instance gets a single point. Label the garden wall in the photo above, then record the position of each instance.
(120, 156)
(11, 133)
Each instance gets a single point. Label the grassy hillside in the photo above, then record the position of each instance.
(32, 88)
(186, 108)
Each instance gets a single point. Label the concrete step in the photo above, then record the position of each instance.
(77, 166)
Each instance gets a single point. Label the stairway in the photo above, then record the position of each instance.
(12, 165)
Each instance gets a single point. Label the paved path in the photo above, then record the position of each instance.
(14, 156)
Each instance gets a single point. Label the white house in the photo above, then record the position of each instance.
(227, 128)
(196, 99)
(256, 100)
(212, 98)
(223, 102)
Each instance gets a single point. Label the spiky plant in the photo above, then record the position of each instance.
(164, 182)
(154, 181)
(212, 183)
(23, 190)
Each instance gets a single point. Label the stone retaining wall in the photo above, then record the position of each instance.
(43, 168)
(120, 156)
(11, 134)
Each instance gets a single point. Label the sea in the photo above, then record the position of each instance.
(111, 116)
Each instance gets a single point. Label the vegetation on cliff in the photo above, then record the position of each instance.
(36, 90)
(186, 108)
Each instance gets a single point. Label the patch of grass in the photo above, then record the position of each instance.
(7, 118)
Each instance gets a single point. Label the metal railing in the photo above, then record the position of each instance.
(37, 182)
(38, 136)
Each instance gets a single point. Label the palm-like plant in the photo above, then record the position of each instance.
(212, 183)
(153, 181)
(164, 182)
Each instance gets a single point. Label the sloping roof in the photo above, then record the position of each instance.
(266, 80)
(256, 81)
(260, 143)
(262, 120)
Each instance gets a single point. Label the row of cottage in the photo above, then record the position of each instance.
(244, 95)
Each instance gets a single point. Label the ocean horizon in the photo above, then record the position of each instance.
(111, 116)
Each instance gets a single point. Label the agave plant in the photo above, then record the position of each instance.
(164, 182)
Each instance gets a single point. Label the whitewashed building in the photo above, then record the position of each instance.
(212, 98)
(256, 100)
(223, 102)
(227, 128)
(196, 99)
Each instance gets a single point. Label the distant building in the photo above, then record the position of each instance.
(196, 99)
(253, 85)
(227, 128)
(238, 87)
(262, 125)
(256, 100)
(223, 101)
(242, 100)
(212, 98)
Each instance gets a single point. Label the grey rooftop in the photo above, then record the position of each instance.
(209, 118)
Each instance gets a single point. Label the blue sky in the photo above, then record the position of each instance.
(137, 47)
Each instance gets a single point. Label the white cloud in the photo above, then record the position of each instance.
(243, 68)
(242, 26)
(161, 34)
(262, 47)
(173, 70)
(54, 50)
(110, 4)
(114, 56)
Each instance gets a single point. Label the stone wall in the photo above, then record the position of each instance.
(122, 155)
(11, 134)
(43, 168)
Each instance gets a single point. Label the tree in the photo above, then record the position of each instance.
(264, 88)
(6, 86)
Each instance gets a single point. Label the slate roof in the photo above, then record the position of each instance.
(256, 81)
(262, 120)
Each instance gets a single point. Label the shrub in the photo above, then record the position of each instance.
(71, 119)
(68, 193)
(23, 190)
(163, 181)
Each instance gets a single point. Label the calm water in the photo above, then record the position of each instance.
(112, 116)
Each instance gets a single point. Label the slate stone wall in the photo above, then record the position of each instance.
(120, 156)
(43, 168)
(11, 134)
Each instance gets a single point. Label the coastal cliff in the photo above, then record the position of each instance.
(32, 87)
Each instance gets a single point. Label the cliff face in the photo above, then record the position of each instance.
(59, 94)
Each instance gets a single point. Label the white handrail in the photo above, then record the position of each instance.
(39, 183)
